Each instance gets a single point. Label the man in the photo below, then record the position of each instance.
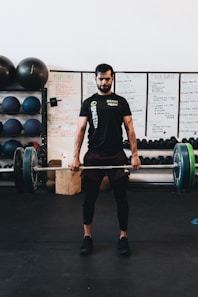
(105, 112)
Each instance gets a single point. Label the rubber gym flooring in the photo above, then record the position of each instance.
(41, 233)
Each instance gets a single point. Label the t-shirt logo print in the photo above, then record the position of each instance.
(111, 102)
(94, 113)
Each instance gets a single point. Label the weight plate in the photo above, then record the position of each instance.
(192, 164)
(181, 171)
(18, 168)
(30, 177)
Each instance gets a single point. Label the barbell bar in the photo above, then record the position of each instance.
(26, 167)
(6, 170)
(127, 167)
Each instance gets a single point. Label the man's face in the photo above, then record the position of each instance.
(104, 82)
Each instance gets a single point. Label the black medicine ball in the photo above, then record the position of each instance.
(7, 71)
(32, 73)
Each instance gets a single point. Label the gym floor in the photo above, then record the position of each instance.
(41, 234)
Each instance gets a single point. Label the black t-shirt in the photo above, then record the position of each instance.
(105, 117)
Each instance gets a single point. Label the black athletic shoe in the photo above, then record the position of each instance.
(123, 247)
(87, 246)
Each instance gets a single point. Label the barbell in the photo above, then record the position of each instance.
(26, 167)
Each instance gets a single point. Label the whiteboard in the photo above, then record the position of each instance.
(188, 112)
(133, 87)
(163, 99)
(88, 84)
(62, 119)
(162, 104)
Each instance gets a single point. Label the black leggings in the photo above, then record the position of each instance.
(91, 189)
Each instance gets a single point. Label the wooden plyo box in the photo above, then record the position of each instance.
(68, 182)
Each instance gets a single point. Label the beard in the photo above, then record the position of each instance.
(104, 89)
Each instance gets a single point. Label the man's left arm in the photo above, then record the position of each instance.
(128, 123)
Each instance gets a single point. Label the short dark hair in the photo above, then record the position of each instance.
(104, 68)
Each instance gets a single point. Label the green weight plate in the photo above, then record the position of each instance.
(192, 164)
(18, 169)
(181, 171)
(30, 177)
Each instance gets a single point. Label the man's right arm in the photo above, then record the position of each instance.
(80, 133)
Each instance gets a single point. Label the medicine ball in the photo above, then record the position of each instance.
(10, 105)
(32, 73)
(9, 147)
(31, 104)
(12, 127)
(32, 127)
(7, 72)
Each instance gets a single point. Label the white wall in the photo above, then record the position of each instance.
(133, 35)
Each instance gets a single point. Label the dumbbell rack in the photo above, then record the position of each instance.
(6, 179)
(153, 152)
